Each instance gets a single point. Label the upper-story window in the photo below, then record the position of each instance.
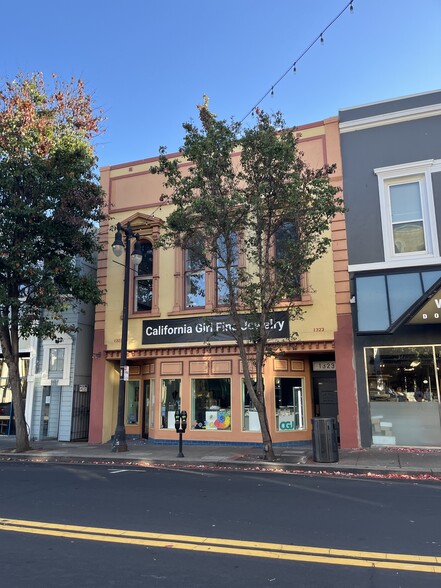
(407, 211)
(226, 258)
(285, 237)
(56, 362)
(407, 221)
(194, 279)
(144, 279)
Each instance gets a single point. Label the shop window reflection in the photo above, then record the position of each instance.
(290, 404)
(401, 374)
(250, 417)
(403, 391)
(132, 403)
(211, 404)
(170, 402)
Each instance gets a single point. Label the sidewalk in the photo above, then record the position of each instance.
(376, 461)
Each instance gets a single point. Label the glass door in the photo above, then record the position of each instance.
(132, 402)
(148, 411)
(170, 401)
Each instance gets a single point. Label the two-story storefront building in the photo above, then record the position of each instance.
(391, 153)
(180, 353)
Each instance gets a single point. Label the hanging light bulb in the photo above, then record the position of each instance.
(321, 38)
(294, 69)
(272, 91)
(351, 8)
(118, 245)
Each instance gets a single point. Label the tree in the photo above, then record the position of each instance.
(248, 195)
(50, 205)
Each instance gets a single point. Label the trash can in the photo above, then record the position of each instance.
(324, 440)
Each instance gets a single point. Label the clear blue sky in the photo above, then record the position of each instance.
(148, 63)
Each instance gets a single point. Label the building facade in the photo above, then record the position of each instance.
(180, 354)
(27, 354)
(56, 379)
(391, 154)
(59, 381)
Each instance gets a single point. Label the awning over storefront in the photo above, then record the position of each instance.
(387, 301)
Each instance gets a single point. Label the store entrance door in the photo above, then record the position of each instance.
(325, 396)
(146, 409)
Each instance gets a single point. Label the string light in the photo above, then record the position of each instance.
(293, 67)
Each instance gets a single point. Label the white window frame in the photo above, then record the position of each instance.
(54, 353)
(421, 172)
(66, 344)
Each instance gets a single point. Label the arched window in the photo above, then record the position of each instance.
(144, 280)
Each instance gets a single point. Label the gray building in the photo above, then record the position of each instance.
(59, 376)
(391, 154)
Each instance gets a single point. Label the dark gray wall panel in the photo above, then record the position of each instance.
(379, 108)
(362, 152)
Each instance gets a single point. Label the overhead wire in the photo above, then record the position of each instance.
(293, 66)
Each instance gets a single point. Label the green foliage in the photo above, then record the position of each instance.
(251, 183)
(50, 203)
(249, 188)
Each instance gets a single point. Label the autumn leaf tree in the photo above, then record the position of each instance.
(250, 208)
(50, 206)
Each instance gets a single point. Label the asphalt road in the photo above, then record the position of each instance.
(83, 525)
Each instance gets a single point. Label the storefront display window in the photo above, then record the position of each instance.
(290, 404)
(211, 404)
(403, 390)
(170, 402)
(250, 418)
(132, 402)
(149, 392)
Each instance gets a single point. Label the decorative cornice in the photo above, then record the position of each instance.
(390, 118)
(159, 352)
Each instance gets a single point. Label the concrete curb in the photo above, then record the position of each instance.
(313, 469)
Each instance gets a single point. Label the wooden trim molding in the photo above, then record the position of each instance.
(135, 354)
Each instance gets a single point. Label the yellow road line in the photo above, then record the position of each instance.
(414, 563)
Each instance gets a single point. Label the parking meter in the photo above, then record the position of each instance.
(183, 420)
(177, 421)
(180, 426)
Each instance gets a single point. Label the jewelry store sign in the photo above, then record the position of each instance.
(210, 329)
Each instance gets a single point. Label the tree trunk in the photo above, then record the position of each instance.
(268, 450)
(9, 346)
(21, 432)
(257, 395)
